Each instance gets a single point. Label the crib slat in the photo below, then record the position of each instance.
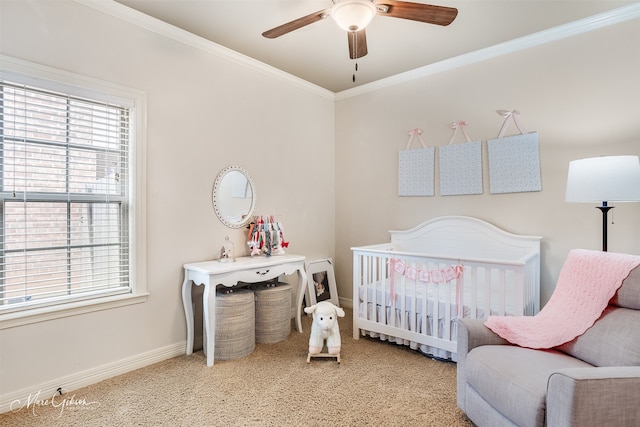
(487, 292)
(473, 285)
(417, 295)
(448, 286)
(424, 318)
(403, 301)
(518, 295)
(384, 265)
(435, 311)
(501, 292)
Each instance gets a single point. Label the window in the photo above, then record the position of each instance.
(67, 185)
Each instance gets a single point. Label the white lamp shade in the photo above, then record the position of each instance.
(610, 179)
(353, 15)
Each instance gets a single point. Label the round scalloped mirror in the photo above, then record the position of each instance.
(234, 196)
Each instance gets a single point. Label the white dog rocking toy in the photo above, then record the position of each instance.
(324, 327)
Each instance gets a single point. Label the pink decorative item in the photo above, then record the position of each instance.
(587, 281)
(266, 236)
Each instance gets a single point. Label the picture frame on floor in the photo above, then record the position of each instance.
(321, 282)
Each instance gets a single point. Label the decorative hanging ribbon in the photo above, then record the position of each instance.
(427, 276)
(507, 115)
(443, 275)
(265, 235)
(459, 125)
(412, 135)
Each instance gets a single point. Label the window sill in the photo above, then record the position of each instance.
(12, 320)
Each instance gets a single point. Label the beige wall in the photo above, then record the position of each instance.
(582, 95)
(205, 112)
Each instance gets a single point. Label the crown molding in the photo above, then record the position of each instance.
(601, 20)
(120, 11)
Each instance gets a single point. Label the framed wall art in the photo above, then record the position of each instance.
(416, 168)
(460, 165)
(514, 161)
(321, 282)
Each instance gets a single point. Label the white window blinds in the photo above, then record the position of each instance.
(64, 189)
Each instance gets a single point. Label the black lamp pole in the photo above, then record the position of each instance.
(604, 208)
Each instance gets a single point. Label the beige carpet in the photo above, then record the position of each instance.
(376, 384)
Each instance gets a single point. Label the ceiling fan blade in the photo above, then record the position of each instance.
(431, 14)
(357, 44)
(296, 24)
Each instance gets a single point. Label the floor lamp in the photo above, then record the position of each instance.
(604, 179)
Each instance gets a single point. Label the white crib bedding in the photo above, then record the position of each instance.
(413, 320)
(409, 305)
(412, 324)
(446, 293)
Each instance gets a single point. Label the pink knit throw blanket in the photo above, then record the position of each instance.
(587, 281)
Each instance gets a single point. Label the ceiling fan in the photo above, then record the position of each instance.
(354, 15)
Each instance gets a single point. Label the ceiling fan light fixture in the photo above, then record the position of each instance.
(353, 15)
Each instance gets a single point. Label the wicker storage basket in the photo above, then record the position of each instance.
(273, 313)
(235, 324)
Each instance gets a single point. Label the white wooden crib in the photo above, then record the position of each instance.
(470, 267)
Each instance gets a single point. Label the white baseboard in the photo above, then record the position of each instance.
(90, 376)
(346, 302)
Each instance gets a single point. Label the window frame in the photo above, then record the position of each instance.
(49, 78)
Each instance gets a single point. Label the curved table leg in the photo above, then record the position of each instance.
(188, 312)
(302, 285)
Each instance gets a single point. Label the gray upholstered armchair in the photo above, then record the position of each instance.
(593, 380)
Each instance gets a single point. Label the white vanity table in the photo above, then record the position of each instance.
(244, 269)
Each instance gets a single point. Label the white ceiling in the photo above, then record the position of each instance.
(319, 53)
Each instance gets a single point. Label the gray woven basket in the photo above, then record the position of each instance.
(273, 313)
(235, 325)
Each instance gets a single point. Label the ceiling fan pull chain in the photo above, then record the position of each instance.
(355, 44)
